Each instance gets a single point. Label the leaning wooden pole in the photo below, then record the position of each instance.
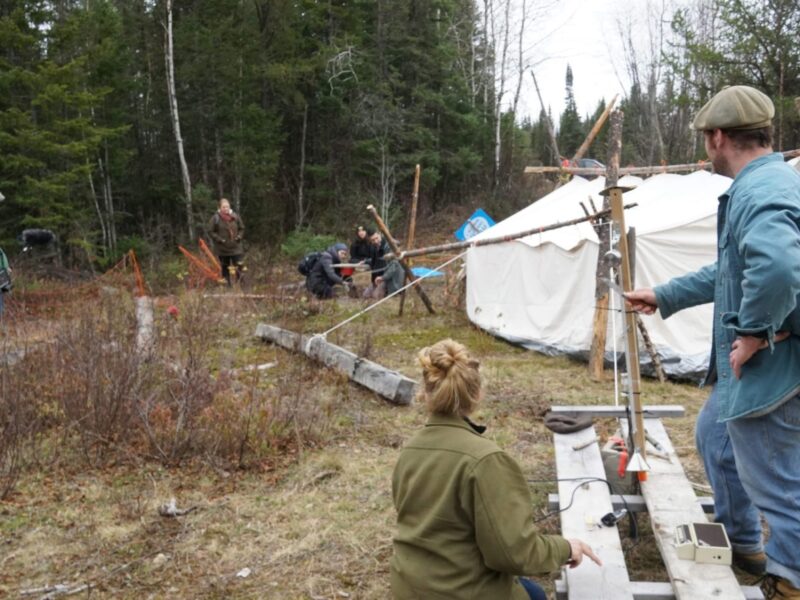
(550, 131)
(396, 252)
(601, 120)
(600, 321)
(502, 239)
(412, 226)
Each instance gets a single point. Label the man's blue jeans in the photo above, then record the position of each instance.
(767, 450)
(732, 505)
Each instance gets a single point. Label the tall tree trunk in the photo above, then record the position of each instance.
(218, 164)
(169, 58)
(108, 198)
(100, 218)
(301, 207)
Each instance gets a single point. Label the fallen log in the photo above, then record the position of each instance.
(393, 386)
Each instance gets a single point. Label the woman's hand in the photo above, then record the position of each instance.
(579, 549)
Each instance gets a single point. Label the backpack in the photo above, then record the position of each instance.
(307, 263)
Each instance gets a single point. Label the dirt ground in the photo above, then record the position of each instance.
(316, 521)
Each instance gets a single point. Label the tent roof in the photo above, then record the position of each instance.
(664, 201)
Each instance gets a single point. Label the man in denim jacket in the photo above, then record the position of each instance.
(748, 432)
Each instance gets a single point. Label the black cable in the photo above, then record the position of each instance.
(634, 527)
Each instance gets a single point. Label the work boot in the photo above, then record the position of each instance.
(777, 588)
(754, 563)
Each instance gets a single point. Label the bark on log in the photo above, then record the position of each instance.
(393, 386)
(144, 325)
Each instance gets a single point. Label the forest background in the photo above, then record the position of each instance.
(123, 121)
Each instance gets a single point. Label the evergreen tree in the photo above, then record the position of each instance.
(570, 128)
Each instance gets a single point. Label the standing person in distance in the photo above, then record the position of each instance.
(464, 511)
(227, 232)
(748, 432)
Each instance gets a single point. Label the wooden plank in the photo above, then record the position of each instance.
(590, 501)
(672, 502)
(635, 503)
(657, 590)
(651, 410)
(390, 384)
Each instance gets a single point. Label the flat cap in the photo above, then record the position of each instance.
(735, 107)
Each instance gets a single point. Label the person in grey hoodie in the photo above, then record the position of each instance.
(323, 275)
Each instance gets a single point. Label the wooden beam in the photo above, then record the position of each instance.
(393, 386)
(633, 502)
(671, 502)
(656, 590)
(502, 239)
(412, 227)
(599, 171)
(597, 351)
(649, 170)
(586, 502)
(594, 131)
(631, 337)
(396, 252)
(618, 412)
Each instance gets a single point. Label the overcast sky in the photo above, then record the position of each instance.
(583, 34)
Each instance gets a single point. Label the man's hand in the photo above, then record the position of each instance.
(743, 348)
(579, 549)
(642, 300)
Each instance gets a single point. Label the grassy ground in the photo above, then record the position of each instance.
(315, 521)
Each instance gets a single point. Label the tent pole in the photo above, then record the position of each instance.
(412, 229)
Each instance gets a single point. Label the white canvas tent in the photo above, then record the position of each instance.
(539, 290)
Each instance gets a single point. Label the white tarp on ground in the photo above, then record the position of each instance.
(539, 291)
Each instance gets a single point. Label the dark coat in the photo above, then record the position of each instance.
(227, 235)
(323, 276)
(360, 250)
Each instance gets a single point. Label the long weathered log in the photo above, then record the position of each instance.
(650, 170)
(502, 239)
(393, 386)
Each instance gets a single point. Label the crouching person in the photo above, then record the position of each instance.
(464, 511)
(323, 275)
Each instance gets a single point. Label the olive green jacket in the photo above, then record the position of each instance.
(464, 519)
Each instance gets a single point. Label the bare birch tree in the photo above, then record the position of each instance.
(169, 59)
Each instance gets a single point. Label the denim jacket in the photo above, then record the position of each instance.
(754, 286)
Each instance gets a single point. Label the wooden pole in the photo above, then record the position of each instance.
(600, 321)
(396, 252)
(412, 228)
(547, 118)
(631, 339)
(595, 130)
(502, 239)
(650, 170)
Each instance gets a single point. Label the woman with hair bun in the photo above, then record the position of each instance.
(464, 511)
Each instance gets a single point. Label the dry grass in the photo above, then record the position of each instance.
(316, 519)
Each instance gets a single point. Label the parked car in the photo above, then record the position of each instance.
(590, 163)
